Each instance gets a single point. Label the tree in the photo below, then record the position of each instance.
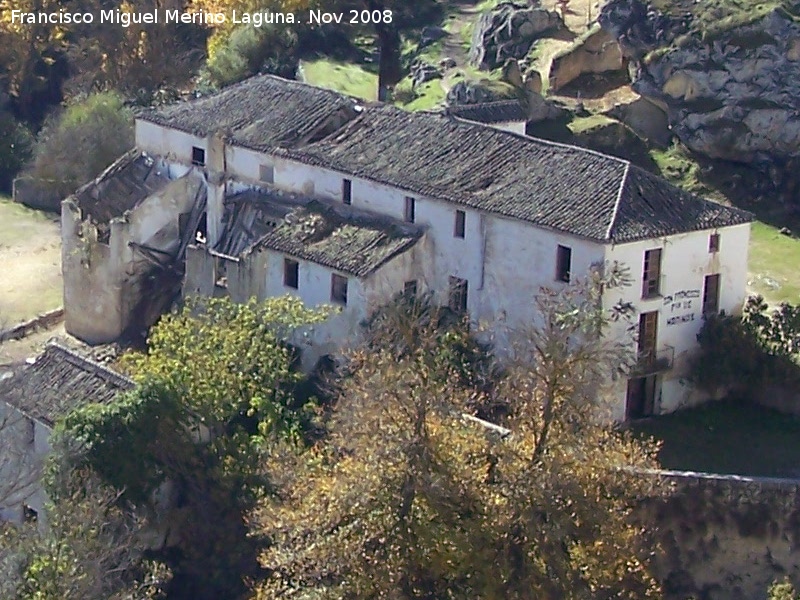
(85, 139)
(216, 384)
(16, 144)
(407, 499)
(91, 549)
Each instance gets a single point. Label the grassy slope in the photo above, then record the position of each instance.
(349, 79)
(773, 264)
(727, 437)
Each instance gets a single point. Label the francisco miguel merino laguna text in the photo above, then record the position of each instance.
(126, 19)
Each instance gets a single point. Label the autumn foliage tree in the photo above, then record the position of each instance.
(409, 499)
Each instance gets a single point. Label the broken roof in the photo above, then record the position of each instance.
(130, 179)
(560, 187)
(501, 111)
(331, 235)
(59, 381)
(261, 113)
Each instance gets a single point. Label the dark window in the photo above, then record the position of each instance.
(563, 263)
(29, 514)
(266, 173)
(410, 288)
(410, 209)
(221, 277)
(290, 273)
(458, 294)
(338, 289)
(198, 156)
(347, 191)
(648, 332)
(711, 295)
(713, 242)
(461, 224)
(651, 284)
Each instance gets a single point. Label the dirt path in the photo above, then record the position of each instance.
(30, 259)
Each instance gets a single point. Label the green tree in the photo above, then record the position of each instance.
(216, 383)
(91, 549)
(85, 139)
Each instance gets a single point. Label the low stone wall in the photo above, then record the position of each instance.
(43, 321)
(724, 536)
(30, 192)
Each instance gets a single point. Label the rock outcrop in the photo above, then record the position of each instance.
(509, 31)
(474, 92)
(595, 52)
(421, 72)
(733, 95)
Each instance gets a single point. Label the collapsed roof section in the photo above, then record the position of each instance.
(334, 236)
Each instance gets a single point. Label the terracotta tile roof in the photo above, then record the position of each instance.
(502, 111)
(58, 381)
(261, 112)
(560, 187)
(334, 236)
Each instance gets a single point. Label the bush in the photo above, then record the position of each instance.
(252, 50)
(16, 146)
(743, 354)
(85, 139)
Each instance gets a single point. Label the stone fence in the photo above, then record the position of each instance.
(43, 321)
(32, 193)
(725, 536)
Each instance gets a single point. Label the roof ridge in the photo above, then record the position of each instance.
(89, 365)
(623, 182)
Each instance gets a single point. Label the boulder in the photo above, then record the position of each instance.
(421, 72)
(731, 94)
(645, 119)
(509, 31)
(512, 74)
(595, 52)
(447, 63)
(533, 82)
(471, 92)
(431, 35)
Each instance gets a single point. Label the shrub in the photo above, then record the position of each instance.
(748, 352)
(252, 50)
(79, 144)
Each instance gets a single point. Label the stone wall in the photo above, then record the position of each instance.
(724, 536)
(32, 193)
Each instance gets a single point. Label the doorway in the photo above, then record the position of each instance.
(641, 397)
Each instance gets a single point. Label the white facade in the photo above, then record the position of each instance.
(504, 261)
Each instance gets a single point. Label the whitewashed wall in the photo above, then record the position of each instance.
(170, 144)
(685, 261)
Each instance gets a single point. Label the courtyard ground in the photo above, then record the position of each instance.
(731, 436)
(30, 258)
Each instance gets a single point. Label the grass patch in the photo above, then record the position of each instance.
(732, 436)
(350, 79)
(677, 166)
(19, 223)
(773, 264)
(583, 124)
(429, 95)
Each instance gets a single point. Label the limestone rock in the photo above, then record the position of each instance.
(511, 73)
(431, 35)
(509, 31)
(470, 92)
(596, 52)
(533, 82)
(422, 72)
(733, 95)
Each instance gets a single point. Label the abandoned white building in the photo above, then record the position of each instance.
(32, 399)
(313, 193)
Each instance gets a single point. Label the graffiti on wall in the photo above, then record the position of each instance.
(682, 303)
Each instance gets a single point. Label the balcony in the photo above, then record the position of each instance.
(650, 362)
